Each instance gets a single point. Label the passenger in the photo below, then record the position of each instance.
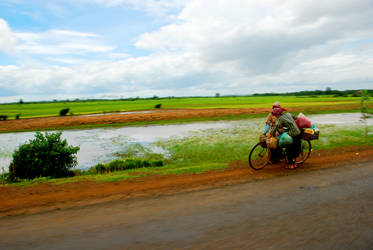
(287, 120)
(270, 122)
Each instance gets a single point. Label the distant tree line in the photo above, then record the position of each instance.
(327, 91)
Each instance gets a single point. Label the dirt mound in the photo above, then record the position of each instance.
(44, 197)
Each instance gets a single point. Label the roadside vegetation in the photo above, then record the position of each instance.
(211, 149)
(47, 155)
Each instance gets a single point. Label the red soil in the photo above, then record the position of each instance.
(45, 197)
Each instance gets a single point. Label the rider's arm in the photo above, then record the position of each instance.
(269, 119)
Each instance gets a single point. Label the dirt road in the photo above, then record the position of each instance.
(328, 208)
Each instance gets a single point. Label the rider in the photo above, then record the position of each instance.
(287, 120)
(271, 118)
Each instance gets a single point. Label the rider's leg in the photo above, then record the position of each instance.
(275, 155)
(297, 145)
(293, 150)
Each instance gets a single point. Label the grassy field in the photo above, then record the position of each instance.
(214, 149)
(29, 110)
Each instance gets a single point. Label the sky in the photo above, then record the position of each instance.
(68, 49)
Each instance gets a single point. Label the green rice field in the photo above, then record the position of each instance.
(29, 110)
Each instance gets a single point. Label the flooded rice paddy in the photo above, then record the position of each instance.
(103, 144)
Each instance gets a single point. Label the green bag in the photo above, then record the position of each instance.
(284, 140)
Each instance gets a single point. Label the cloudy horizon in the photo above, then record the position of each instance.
(128, 48)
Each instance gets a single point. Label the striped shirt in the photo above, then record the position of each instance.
(286, 120)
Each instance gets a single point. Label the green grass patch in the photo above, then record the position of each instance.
(172, 169)
(29, 110)
(343, 136)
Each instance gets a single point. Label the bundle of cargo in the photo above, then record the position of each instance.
(308, 129)
(303, 122)
(272, 142)
(310, 134)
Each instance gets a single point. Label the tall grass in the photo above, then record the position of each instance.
(234, 143)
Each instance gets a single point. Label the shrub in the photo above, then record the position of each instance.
(124, 164)
(139, 163)
(158, 163)
(146, 163)
(64, 112)
(17, 116)
(3, 117)
(130, 164)
(158, 106)
(100, 168)
(116, 165)
(45, 155)
(4, 178)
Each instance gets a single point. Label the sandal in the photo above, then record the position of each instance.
(290, 166)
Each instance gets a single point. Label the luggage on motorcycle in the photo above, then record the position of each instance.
(272, 142)
(309, 131)
(303, 122)
(310, 134)
(285, 139)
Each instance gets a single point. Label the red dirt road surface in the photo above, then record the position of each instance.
(309, 208)
(46, 197)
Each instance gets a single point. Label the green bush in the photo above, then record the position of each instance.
(45, 155)
(130, 164)
(146, 163)
(158, 163)
(63, 112)
(116, 165)
(100, 168)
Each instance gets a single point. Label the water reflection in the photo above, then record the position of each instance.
(99, 145)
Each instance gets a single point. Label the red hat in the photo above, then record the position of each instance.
(276, 105)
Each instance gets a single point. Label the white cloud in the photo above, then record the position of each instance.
(261, 36)
(7, 40)
(153, 7)
(237, 47)
(60, 42)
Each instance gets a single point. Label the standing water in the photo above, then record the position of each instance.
(100, 145)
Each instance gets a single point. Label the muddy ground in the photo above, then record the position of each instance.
(159, 115)
(47, 197)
